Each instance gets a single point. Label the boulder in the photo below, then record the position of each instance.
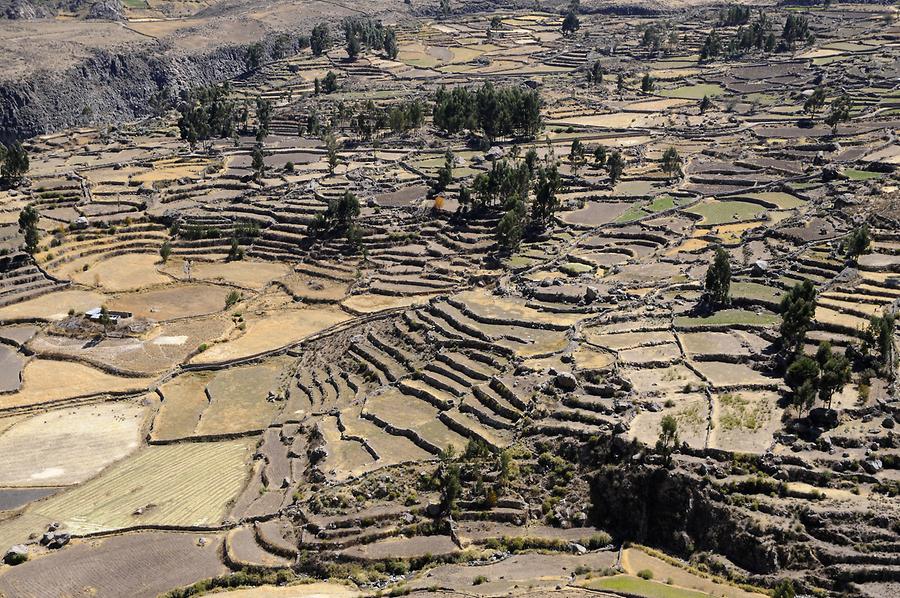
(566, 381)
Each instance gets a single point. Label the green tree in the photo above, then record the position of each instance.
(15, 164)
(445, 7)
(647, 83)
(600, 156)
(320, 39)
(545, 204)
(450, 486)
(445, 173)
(263, 117)
(718, 280)
(576, 155)
(784, 589)
(570, 23)
(391, 49)
(353, 46)
(165, 251)
(206, 113)
(105, 319)
(802, 376)
(331, 151)
(835, 372)
(258, 162)
(798, 308)
(839, 112)
(878, 341)
(815, 101)
(28, 221)
(615, 165)
(858, 242)
(338, 218)
(254, 56)
(330, 83)
(511, 227)
(712, 46)
(620, 82)
(668, 437)
(595, 73)
(671, 162)
(796, 29)
(705, 104)
(235, 253)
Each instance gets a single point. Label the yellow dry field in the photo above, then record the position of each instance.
(183, 403)
(173, 302)
(187, 484)
(123, 273)
(53, 306)
(69, 445)
(371, 303)
(243, 273)
(484, 304)
(848, 322)
(171, 170)
(239, 398)
(615, 120)
(635, 560)
(273, 331)
(47, 381)
(311, 590)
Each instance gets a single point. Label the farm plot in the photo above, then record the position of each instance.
(745, 421)
(187, 484)
(123, 272)
(52, 306)
(163, 347)
(726, 375)
(141, 565)
(273, 331)
(713, 212)
(635, 560)
(42, 383)
(713, 343)
(674, 378)
(239, 398)
(691, 411)
(541, 572)
(183, 402)
(70, 445)
(596, 213)
(246, 274)
(11, 365)
(179, 301)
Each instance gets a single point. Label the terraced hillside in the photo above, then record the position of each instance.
(489, 300)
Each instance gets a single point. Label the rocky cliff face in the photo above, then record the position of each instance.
(109, 87)
(680, 513)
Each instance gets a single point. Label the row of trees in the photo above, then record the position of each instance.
(494, 111)
(758, 35)
(339, 219)
(613, 162)
(525, 190)
(359, 33)
(824, 375)
(366, 120)
(206, 113)
(839, 110)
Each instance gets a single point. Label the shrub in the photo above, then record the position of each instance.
(479, 580)
(645, 574)
(232, 298)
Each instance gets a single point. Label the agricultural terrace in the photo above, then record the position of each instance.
(467, 301)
